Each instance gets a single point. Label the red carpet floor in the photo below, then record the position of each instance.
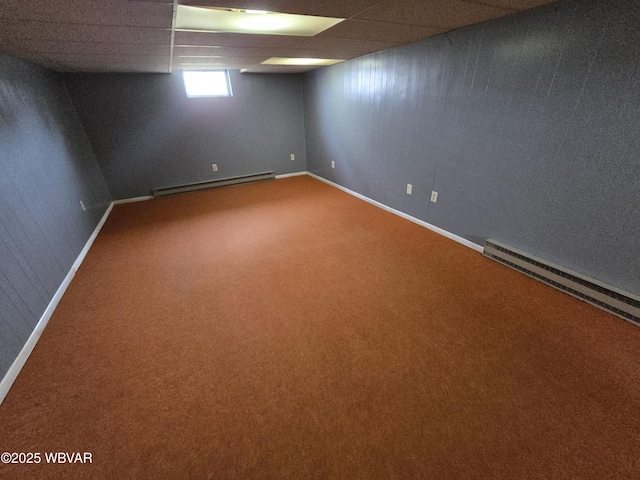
(286, 330)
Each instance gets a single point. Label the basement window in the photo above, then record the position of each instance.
(208, 83)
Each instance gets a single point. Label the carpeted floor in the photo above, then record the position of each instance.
(286, 330)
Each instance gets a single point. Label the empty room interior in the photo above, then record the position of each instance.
(273, 239)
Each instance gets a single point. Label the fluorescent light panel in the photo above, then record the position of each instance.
(224, 20)
(301, 61)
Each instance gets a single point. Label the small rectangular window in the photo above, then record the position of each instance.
(210, 83)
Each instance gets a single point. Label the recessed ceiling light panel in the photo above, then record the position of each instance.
(301, 61)
(224, 20)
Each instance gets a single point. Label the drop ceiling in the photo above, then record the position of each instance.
(138, 35)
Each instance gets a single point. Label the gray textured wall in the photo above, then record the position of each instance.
(527, 126)
(46, 169)
(146, 133)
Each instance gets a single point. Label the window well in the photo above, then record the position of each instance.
(209, 83)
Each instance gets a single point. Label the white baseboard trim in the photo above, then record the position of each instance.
(452, 236)
(92, 238)
(134, 199)
(21, 359)
(287, 175)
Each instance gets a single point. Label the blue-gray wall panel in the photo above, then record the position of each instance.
(46, 168)
(147, 134)
(527, 126)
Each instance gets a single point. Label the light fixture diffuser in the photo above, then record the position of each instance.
(301, 61)
(225, 20)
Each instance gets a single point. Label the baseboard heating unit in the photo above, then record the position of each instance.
(224, 182)
(608, 298)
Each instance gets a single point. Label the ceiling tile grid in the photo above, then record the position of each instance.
(139, 35)
(89, 35)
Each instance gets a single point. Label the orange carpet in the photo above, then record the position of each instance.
(286, 330)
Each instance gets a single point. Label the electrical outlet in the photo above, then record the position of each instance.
(214, 166)
(293, 156)
(333, 164)
(434, 197)
(82, 205)
(409, 189)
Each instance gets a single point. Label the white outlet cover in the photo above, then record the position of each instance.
(409, 189)
(333, 164)
(293, 156)
(434, 197)
(214, 166)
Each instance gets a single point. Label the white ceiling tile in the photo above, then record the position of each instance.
(61, 32)
(105, 59)
(91, 12)
(380, 31)
(49, 46)
(362, 46)
(236, 40)
(162, 67)
(445, 14)
(323, 46)
(216, 60)
(204, 63)
(516, 4)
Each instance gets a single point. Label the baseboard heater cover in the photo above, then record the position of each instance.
(224, 182)
(610, 299)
